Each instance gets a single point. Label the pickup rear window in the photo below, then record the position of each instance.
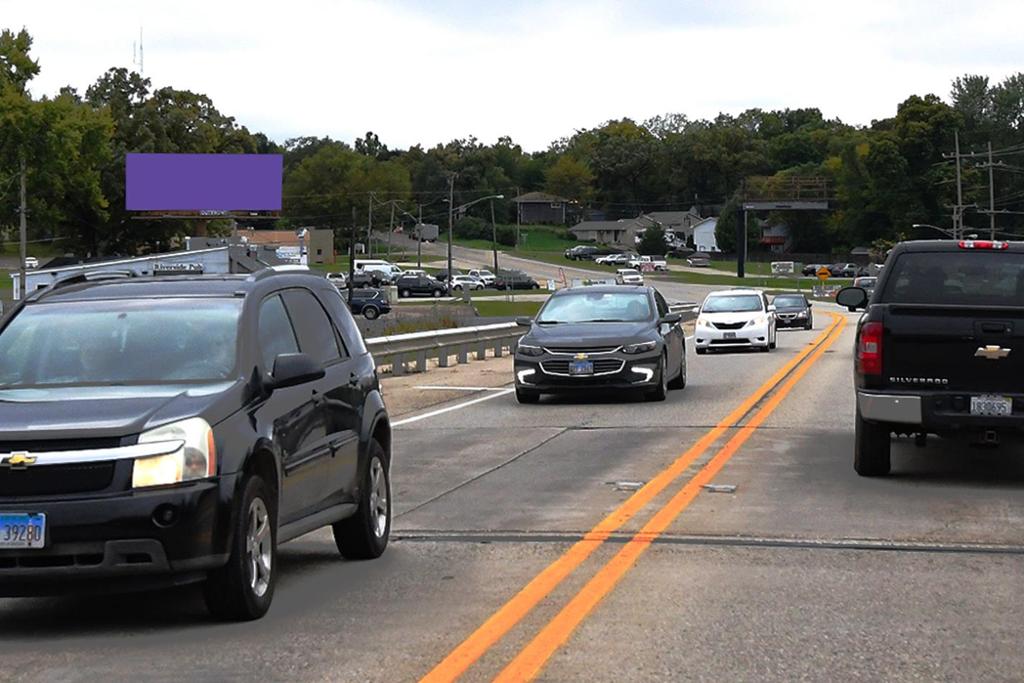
(978, 278)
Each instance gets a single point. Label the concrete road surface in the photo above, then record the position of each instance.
(574, 540)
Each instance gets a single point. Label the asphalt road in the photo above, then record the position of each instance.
(804, 571)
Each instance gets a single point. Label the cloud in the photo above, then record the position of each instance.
(419, 72)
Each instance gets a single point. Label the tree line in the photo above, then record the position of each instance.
(883, 177)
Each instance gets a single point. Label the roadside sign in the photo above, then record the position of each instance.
(783, 268)
(824, 273)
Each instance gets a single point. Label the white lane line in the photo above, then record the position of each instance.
(441, 387)
(457, 406)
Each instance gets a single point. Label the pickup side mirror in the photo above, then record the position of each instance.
(524, 321)
(291, 369)
(853, 298)
(671, 318)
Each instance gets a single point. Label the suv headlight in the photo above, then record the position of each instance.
(529, 350)
(642, 347)
(757, 320)
(195, 459)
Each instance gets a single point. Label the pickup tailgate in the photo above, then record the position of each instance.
(973, 350)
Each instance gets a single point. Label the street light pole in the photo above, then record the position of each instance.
(419, 239)
(451, 220)
(494, 238)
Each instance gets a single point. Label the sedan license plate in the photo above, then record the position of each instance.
(22, 531)
(991, 406)
(581, 367)
(729, 335)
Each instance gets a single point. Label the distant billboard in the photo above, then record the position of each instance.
(198, 183)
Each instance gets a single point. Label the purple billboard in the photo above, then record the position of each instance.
(203, 182)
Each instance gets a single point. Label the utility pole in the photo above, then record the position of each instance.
(494, 238)
(519, 216)
(352, 255)
(451, 221)
(391, 227)
(23, 230)
(419, 238)
(991, 195)
(958, 212)
(369, 228)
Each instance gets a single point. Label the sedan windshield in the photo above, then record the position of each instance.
(742, 303)
(152, 341)
(584, 307)
(790, 302)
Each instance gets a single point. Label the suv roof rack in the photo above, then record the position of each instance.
(277, 270)
(79, 278)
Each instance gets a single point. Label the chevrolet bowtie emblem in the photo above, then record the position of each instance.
(581, 356)
(992, 352)
(18, 461)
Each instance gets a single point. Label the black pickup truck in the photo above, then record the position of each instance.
(940, 347)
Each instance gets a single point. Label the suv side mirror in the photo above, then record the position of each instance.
(291, 369)
(524, 321)
(853, 298)
(771, 308)
(671, 318)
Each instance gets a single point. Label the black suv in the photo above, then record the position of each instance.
(420, 285)
(940, 348)
(160, 431)
(369, 303)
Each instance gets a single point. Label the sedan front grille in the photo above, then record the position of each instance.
(602, 366)
(44, 480)
(573, 350)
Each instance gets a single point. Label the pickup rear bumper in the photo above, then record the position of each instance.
(935, 412)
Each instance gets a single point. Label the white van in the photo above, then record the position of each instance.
(387, 270)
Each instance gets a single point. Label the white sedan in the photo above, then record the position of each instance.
(736, 318)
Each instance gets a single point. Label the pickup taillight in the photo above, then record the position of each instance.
(869, 349)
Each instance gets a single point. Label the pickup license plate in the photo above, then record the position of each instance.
(991, 406)
(581, 367)
(22, 531)
(729, 335)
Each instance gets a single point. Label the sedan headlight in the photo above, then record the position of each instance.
(196, 458)
(802, 314)
(529, 350)
(642, 347)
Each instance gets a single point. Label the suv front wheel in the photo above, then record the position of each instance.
(243, 589)
(364, 535)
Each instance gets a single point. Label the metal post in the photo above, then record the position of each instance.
(958, 212)
(352, 256)
(419, 240)
(519, 217)
(991, 195)
(391, 228)
(369, 228)
(451, 221)
(23, 232)
(494, 239)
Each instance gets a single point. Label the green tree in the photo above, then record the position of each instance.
(569, 178)
(652, 241)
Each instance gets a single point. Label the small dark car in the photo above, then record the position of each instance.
(369, 303)
(420, 285)
(367, 280)
(581, 252)
(162, 431)
(793, 310)
(515, 279)
(601, 337)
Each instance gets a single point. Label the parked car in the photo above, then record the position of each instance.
(369, 303)
(844, 269)
(601, 337)
(31, 262)
(614, 259)
(811, 269)
(938, 348)
(735, 318)
(461, 282)
(793, 310)
(442, 274)
(581, 252)
(420, 285)
(629, 276)
(368, 279)
(485, 276)
(338, 279)
(515, 279)
(260, 421)
(647, 263)
(699, 261)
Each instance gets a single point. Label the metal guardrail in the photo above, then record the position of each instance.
(417, 348)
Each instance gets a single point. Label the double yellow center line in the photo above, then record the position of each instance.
(528, 663)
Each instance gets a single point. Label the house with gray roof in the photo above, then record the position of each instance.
(541, 207)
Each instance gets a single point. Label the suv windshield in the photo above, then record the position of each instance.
(961, 279)
(742, 303)
(583, 307)
(150, 341)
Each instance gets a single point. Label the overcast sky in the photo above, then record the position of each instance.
(537, 70)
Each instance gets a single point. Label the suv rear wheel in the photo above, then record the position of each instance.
(370, 312)
(872, 455)
(242, 589)
(364, 535)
